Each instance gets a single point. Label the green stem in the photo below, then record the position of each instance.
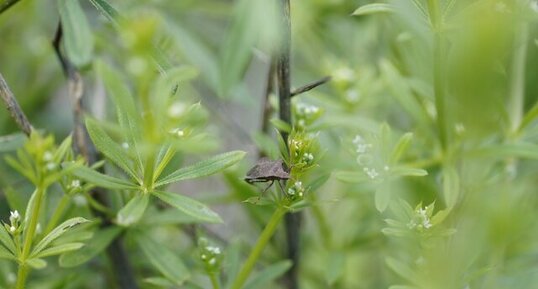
(266, 235)
(438, 78)
(214, 281)
(517, 83)
(28, 237)
(58, 213)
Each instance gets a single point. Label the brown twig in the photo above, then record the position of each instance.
(83, 145)
(14, 108)
(310, 86)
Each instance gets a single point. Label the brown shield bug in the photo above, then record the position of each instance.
(267, 170)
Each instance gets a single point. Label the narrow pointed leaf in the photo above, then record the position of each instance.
(92, 248)
(37, 263)
(382, 197)
(451, 186)
(203, 168)
(268, 275)
(164, 260)
(400, 147)
(374, 8)
(56, 233)
(101, 180)
(6, 240)
(60, 249)
(133, 211)
(5, 254)
(109, 148)
(78, 38)
(189, 206)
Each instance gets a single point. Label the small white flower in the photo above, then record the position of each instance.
(12, 229)
(460, 128)
(14, 215)
(125, 145)
(386, 168)
(204, 256)
(534, 5)
(80, 201)
(298, 185)
(176, 109)
(75, 184)
(344, 74)
(358, 140)
(177, 132)
(212, 261)
(11, 278)
(47, 156)
(137, 65)
(51, 166)
(352, 95)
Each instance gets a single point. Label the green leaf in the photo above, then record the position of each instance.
(268, 274)
(400, 147)
(374, 8)
(237, 49)
(54, 234)
(232, 261)
(196, 52)
(6, 240)
(168, 217)
(518, 150)
(189, 206)
(37, 263)
(133, 211)
(408, 172)
(335, 267)
(204, 168)
(60, 249)
(78, 38)
(109, 148)
(382, 197)
(4, 253)
(101, 180)
(106, 10)
(401, 269)
(281, 125)
(96, 245)
(164, 260)
(12, 142)
(351, 177)
(451, 186)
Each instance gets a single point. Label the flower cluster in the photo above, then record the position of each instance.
(366, 158)
(421, 219)
(14, 223)
(183, 118)
(210, 255)
(296, 190)
(305, 115)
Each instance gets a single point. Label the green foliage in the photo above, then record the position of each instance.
(413, 168)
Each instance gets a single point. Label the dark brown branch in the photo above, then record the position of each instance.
(310, 86)
(116, 252)
(14, 108)
(7, 4)
(292, 220)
